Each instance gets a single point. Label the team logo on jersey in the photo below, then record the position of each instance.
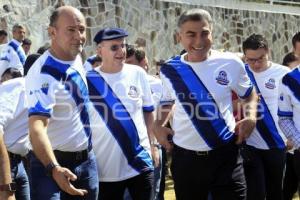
(45, 88)
(222, 78)
(281, 97)
(270, 84)
(133, 92)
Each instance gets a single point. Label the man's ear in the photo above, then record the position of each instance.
(51, 31)
(98, 51)
(178, 37)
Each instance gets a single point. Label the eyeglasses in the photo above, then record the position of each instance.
(254, 60)
(116, 47)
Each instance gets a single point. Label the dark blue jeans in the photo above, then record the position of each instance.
(44, 187)
(218, 172)
(19, 176)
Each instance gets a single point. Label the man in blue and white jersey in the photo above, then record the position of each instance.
(92, 62)
(137, 56)
(13, 52)
(264, 152)
(198, 83)
(14, 125)
(289, 111)
(62, 159)
(123, 120)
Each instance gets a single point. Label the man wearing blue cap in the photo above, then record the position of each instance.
(123, 120)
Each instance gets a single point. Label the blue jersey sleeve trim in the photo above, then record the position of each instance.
(284, 114)
(148, 108)
(248, 92)
(39, 114)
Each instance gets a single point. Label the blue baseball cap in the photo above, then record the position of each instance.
(109, 34)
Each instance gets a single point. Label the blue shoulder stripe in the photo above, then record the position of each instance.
(21, 54)
(118, 121)
(75, 84)
(292, 81)
(198, 103)
(265, 123)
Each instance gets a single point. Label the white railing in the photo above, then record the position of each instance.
(297, 2)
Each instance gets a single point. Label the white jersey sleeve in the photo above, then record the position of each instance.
(241, 84)
(285, 107)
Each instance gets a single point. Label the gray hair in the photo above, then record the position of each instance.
(17, 26)
(194, 15)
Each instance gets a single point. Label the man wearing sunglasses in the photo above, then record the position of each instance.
(264, 153)
(122, 119)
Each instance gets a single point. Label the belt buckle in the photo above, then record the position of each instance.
(202, 153)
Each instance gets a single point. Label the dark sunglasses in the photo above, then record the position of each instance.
(116, 47)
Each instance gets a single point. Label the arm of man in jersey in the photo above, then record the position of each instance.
(164, 112)
(246, 92)
(5, 176)
(41, 99)
(287, 109)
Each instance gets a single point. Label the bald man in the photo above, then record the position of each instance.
(62, 159)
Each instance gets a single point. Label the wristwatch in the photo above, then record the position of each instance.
(50, 167)
(11, 187)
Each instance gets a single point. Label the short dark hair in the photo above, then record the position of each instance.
(296, 38)
(13, 72)
(96, 59)
(3, 32)
(29, 62)
(254, 42)
(288, 58)
(26, 41)
(44, 48)
(194, 15)
(54, 17)
(139, 53)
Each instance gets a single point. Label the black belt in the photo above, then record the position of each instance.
(75, 156)
(15, 157)
(187, 151)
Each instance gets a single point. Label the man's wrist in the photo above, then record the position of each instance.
(50, 167)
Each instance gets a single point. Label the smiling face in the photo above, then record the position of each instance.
(112, 52)
(68, 34)
(196, 38)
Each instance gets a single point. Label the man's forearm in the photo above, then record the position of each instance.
(288, 128)
(163, 115)
(5, 176)
(250, 106)
(40, 141)
(149, 120)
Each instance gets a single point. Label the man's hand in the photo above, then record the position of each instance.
(162, 134)
(5, 195)
(244, 128)
(155, 155)
(63, 176)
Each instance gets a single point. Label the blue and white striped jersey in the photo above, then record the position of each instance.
(203, 115)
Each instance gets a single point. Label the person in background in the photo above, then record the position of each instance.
(92, 62)
(264, 152)
(26, 44)
(3, 37)
(291, 60)
(137, 56)
(13, 51)
(296, 43)
(14, 125)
